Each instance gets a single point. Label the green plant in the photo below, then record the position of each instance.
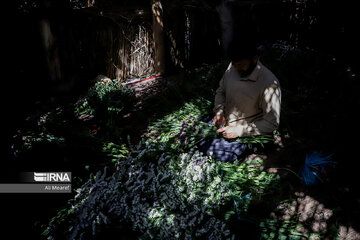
(114, 151)
(109, 100)
(171, 124)
(42, 129)
(82, 107)
(258, 139)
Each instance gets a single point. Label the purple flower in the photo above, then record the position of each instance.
(200, 162)
(182, 129)
(197, 130)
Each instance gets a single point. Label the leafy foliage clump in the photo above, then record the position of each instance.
(114, 151)
(173, 123)
(39, 130)
(163, 194)
(165, 188)
(107, 101)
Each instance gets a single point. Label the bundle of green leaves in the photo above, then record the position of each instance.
(106, 100)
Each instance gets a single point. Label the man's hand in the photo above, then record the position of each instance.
(229, 132)
(219, 120)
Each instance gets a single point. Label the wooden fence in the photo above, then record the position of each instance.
(132, 52)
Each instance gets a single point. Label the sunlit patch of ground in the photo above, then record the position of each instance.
(307, 218)
(348, 233)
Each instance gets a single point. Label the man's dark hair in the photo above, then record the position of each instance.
(242, 49)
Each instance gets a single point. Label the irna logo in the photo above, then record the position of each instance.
(52, 177)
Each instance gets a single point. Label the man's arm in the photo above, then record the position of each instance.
(270, 105)
(219, 104)
(220, 98)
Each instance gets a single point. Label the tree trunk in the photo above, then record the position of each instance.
(158, 33)
(51, 51)
(226, 20)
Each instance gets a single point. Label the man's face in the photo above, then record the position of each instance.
(245, 66)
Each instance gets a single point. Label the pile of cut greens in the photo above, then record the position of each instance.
(165, 188)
